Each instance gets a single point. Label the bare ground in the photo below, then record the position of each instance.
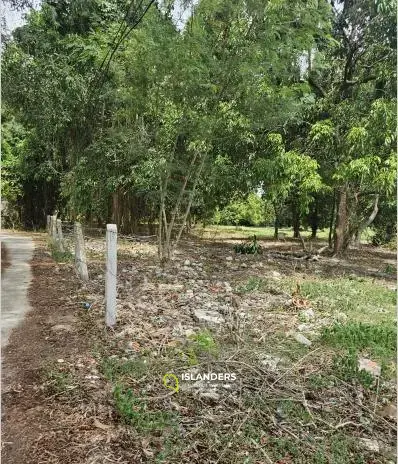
(57, 404)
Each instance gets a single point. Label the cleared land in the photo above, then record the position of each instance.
(97, 396)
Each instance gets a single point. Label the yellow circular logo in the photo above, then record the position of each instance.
(174, 382)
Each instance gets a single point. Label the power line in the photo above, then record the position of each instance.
(123, 32)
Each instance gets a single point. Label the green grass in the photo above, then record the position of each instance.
(242, 232)
(246, 232)
(115, 369)
(355, 339)
(360, 299)
(60, 382)
(379, 340)
(57, 255)
(140, 414)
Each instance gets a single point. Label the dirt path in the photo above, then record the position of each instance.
(49, 332)
(16, 278)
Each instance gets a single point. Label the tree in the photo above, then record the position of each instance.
(357, 161)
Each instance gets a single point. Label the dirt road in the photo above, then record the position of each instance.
(16, 278)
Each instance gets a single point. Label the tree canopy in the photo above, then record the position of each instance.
(113, 112)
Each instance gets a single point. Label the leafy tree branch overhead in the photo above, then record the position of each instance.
(113, 112)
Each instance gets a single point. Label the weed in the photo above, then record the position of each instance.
(117, 369)
(248, 248)
(136, 412)
(390, 269)
(356, 336)
(204, 341)
(59, 256)
(59, 381)
(253, 284)
(353, 338)
(346, 368)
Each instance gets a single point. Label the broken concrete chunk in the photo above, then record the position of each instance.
(371, 445)
(171, 287)
(301, 339)
(62, 328)
(307, 315)
(370, 366)
(211, 395)
(271, 362)
(207, 316)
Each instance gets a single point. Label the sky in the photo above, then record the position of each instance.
(14, 18)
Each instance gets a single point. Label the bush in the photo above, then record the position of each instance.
(248, 248)
(253, 211)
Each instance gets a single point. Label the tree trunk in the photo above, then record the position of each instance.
(296, 227)
(115, 207)
(331, 221)
(276, 222)
(368, 222)
(341, 223)
(296, 220)
(314, 219)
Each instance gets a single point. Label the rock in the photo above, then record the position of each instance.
(189, 333)
(371, 445)
(304, 327)
(271, 362)
(301, 339)
(307, 315)
(244, 265)
(212, 395)
(187, 262)
(276, 275)
(171, 287)
(390, 411)
(207, 316)
(62, 328)
(229, 258)
(365, 364)
(189, 294)
(227, 287)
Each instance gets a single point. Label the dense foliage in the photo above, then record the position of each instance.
(115, 111)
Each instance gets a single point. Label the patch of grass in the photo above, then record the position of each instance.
(376, 341)
(379, 340)
(204, 341)
(139, 414)
(201, 344)
(59, 381)
(361, 299)
(218, 231)
(57, 255)
(116, 369)
(253, 284)
(390, 269)
(346, 368)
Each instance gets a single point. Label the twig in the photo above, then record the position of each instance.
(294, 366)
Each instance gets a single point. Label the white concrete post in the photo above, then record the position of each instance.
(53, 227)
(60, 236)
(48, 224)
(80, 254)
(110, 279)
